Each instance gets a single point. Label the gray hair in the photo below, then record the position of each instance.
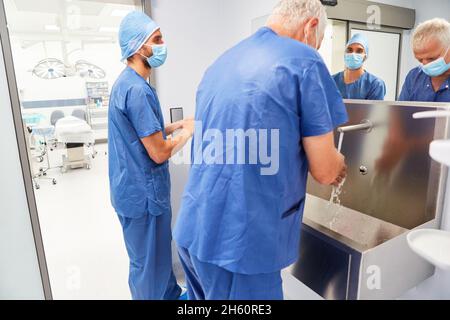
(294, 12)
(437, 28)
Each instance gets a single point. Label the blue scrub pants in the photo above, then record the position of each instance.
(148, 242)
(206, 281)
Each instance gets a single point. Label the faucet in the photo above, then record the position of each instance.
(364, 125)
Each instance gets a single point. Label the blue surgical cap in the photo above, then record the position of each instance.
(362, 40)
(135, 29)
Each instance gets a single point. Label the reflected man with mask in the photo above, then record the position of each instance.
(431, 80)
(355, 82)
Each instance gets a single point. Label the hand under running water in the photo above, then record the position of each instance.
(338, 186)
(341, 177)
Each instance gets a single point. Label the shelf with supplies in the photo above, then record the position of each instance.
(97, 107)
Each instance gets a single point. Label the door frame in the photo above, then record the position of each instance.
(21, 143)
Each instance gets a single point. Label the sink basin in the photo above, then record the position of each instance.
(440, 151)
(432, 245)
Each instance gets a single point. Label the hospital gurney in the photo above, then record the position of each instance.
(75, 133)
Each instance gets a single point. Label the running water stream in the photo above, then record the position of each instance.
(335, 201)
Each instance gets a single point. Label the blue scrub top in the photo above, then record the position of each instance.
(138, 185)
(368, 87)
(418, 87)
(231, 215)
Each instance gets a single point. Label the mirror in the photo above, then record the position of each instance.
(391, 56)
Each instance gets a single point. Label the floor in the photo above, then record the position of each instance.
(83, 242)
(82, 237)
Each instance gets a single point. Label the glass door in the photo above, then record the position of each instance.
(66, 57)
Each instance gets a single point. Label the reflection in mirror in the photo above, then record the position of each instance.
(392, 56)
(430, 81)
(356, 82)
(384, 56)
(333, 45)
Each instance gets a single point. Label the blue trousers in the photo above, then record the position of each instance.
(206, 281)
(148, 242)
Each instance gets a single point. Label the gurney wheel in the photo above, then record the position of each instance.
(40, 159)
(37, 186)
(54, 181)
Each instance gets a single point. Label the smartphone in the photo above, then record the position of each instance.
(176, 114)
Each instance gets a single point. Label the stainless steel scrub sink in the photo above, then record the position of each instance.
(360, 250)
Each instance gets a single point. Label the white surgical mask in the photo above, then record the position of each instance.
(159, 55)
(437, 67)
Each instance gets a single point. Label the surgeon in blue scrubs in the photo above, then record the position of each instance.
(139, 148)
(239, 225)
(355, 82)
(431, 80)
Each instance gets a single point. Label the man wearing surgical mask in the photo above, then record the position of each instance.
(139, 148)
(355, 82)
(431, 80)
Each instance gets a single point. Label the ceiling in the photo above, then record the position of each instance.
(62, 19)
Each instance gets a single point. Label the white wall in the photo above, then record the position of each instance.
(19, 270)
(193, 32)
(237, 16)
(192, 29)
(197, 32)
(431, 9)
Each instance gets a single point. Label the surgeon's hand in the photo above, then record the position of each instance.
(342, 175)
(171, 128)
(326, 164)
(189, 125)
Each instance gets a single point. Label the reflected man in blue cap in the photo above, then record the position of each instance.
(355, 82)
